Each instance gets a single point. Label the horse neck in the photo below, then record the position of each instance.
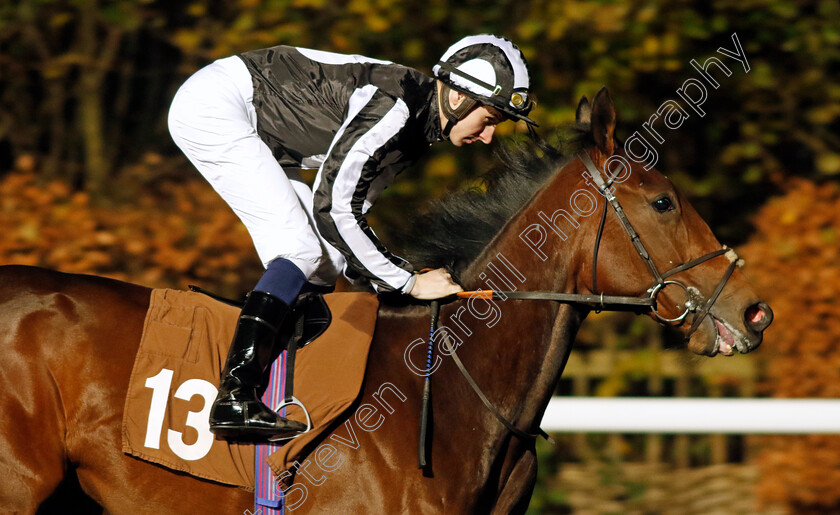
(520, 357)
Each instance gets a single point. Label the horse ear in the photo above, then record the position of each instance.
(583, 114)
(603, 122)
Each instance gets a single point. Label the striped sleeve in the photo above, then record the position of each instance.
(373, 123)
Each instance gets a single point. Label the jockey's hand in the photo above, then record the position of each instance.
(435, 284)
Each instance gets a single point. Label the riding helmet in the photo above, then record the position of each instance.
(490, 70)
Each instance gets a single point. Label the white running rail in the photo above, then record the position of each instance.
(691, 415)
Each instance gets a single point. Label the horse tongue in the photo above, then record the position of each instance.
(725, 339)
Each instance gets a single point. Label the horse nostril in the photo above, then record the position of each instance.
(758, 316)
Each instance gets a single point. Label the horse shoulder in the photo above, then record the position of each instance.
(70, 339)
(52, 378)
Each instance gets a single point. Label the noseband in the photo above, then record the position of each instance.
(598, 301)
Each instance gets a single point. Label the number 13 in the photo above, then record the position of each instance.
(198, 420)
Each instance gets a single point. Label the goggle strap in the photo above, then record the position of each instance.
(495, 90)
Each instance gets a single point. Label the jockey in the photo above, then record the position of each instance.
(247, 123)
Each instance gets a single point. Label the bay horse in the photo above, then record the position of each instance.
(68, 343)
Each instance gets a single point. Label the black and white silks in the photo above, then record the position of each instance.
(361, 122)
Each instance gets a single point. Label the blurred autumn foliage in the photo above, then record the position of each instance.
(175, 234)
(794, 261)
(85, 85)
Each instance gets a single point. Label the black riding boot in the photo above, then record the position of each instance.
(238, 411)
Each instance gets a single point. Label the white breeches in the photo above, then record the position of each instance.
(212, 120)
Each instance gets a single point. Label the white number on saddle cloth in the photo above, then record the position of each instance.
(198, 420)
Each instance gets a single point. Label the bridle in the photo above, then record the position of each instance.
(660, 279)
(599, 301)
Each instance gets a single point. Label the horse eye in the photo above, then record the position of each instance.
(663, 204)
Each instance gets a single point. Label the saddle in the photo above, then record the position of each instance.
(186, 336)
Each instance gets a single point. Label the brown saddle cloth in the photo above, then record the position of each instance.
(185, 341)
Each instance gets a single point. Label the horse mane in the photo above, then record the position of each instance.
(457, 227)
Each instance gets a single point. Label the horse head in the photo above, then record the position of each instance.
(684, 289)
(583, 218)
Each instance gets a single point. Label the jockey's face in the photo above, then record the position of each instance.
(478, 125)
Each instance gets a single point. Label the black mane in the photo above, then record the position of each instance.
(458, 226)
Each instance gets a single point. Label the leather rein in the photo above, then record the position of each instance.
(598, 301)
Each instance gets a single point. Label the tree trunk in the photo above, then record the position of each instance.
(90, 119)
(99, 57)
(53, 164)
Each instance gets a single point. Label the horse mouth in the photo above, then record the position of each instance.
(727, 342)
